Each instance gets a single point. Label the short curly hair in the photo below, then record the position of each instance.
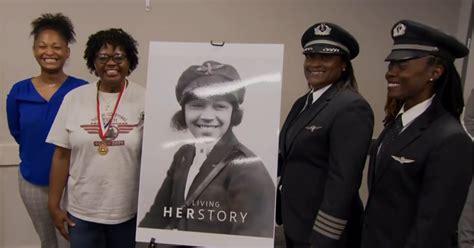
(115, 37)
(57, 22)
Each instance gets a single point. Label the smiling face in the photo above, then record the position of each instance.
(322, 69)
(412, 81)
(51, 51)
(111, 65)
(208, 117)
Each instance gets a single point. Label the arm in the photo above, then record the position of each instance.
(13, 116)
(444, 187)
(58, 179)
(350, 137)
(466, 222)
(154, 217)
(469, 115)
(281, 142)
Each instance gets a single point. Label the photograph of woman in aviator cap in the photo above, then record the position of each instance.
(215, 184)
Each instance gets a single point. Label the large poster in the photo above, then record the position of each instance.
(210, 147)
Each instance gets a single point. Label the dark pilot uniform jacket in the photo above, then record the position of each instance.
(322, 155)
(417, 191)
(242, 188)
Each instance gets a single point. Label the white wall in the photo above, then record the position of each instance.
(254, 21)
(16, 229)
(247, 21)
(464, 18)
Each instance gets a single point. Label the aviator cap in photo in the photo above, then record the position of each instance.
(210, 79)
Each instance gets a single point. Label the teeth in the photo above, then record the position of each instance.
(207, 126)
(393, 85)
(49, 60)
(316, 72)
(111, 72)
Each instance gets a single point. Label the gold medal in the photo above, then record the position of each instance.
(103, 149)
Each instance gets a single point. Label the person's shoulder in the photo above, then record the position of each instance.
(244, 150)
(24, 82)
(349, 95)
(88, 87)
(136, 86)
(21, 86)
(242, 155)
(298, 103)
(348, 98)
(301, 98)
(447, 126)
(72, 83)
(75, 81)
(185, 148)
(245, 163)
(184, 154)
(444, 129)
(136, 90)
(82, 91)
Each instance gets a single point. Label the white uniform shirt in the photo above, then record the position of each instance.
(202, 150)
(318, 93)
(410, 115)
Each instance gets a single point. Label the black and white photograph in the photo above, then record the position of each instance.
(207, 177)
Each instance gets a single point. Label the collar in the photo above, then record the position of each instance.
(410, 115)
(318, 93)
(205, 147)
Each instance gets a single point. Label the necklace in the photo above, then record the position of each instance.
(51, 85)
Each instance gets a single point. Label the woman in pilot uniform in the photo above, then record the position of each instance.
(323, 146)
(421, 164)
(217, 183)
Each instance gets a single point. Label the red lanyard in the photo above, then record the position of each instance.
(108, 124)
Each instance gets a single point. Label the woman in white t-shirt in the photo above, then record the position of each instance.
(98, 136)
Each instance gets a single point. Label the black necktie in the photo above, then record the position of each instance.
(390, 135)
(308, 102)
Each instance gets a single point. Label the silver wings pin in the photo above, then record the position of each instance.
(403, 160)
(312, 128)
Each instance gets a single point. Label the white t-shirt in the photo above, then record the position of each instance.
(101, 188)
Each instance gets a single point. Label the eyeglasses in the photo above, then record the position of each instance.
(116, 58)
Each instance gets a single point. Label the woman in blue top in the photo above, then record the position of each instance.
(32, 105)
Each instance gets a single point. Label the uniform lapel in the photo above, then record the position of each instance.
(307, 115)
(221, 151)
(373, 158)
(289, 120)
(185, 162)
(409, 135)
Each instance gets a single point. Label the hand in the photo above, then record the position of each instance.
(59, 218)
